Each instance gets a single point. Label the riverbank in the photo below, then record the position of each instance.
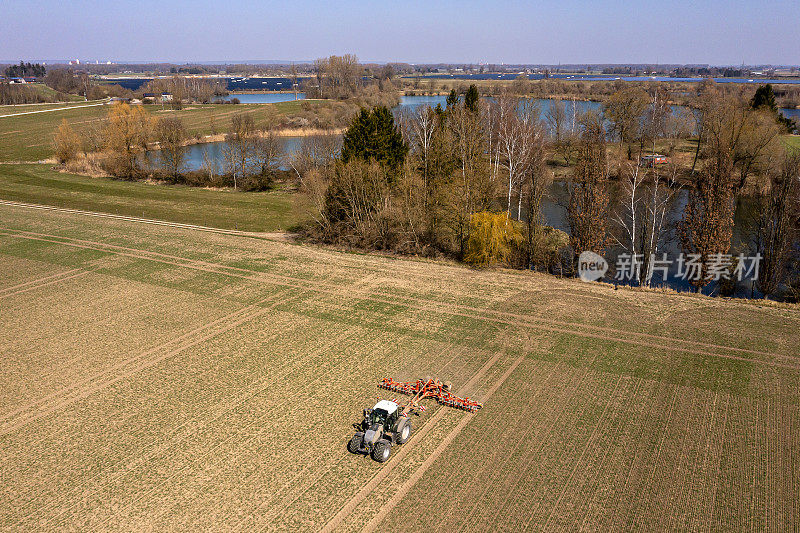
(286, 132)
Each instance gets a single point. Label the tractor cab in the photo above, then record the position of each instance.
(384, 413)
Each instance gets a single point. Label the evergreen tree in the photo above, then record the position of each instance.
(471, 98)
(372, 136)
(452, 99)
(764, 97)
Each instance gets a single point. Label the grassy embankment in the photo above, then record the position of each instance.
(30, 137)
(254, 211)
(792, 141)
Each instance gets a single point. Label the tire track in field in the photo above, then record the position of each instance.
(398, 496)
(416, 267)
(459, 306)
(274, 511)
(79, 390)
(257, 235)
(586, 448)
(365, 336)
(376, 480)
(42, 282)
(501, 317)
(53, 110)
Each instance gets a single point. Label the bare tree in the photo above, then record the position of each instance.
(314, 152)
(268, 158)
(657, 203)
(468, 191)
(239, 152)
(707, 224)
(773, 228)
(647, 196)
(127, 132)
(556, 117)
(629, 220)
(66, 142)
(588, 199)
(518, 133)
(625, 109)
(726, 122)
(171, 137)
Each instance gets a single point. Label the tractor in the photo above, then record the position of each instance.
(383, 427)
(388, 423)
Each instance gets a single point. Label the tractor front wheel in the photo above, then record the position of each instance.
(355, 443)
(404, 431)
(381, 451)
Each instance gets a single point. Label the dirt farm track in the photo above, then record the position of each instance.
(167, 377)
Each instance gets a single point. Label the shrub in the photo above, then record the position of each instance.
(492, 238)
(67, 143)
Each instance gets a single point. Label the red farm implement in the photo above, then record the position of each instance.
(430, 388)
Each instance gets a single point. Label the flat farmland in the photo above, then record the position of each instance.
(157, 377)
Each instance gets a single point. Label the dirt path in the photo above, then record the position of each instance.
(51, 110)
(373, 483)
(401, 493)
(500, 317)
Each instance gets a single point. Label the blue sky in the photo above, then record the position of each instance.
(565, 31)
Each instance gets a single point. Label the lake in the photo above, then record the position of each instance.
(413, 102)
(233, 83)
(791, 113)
(196, 154)
(261, 98)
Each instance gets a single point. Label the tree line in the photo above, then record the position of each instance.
(468, 181)
(25, 70)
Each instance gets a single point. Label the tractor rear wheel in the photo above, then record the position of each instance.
(403, 430)
(355, 443)
(381, 451)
